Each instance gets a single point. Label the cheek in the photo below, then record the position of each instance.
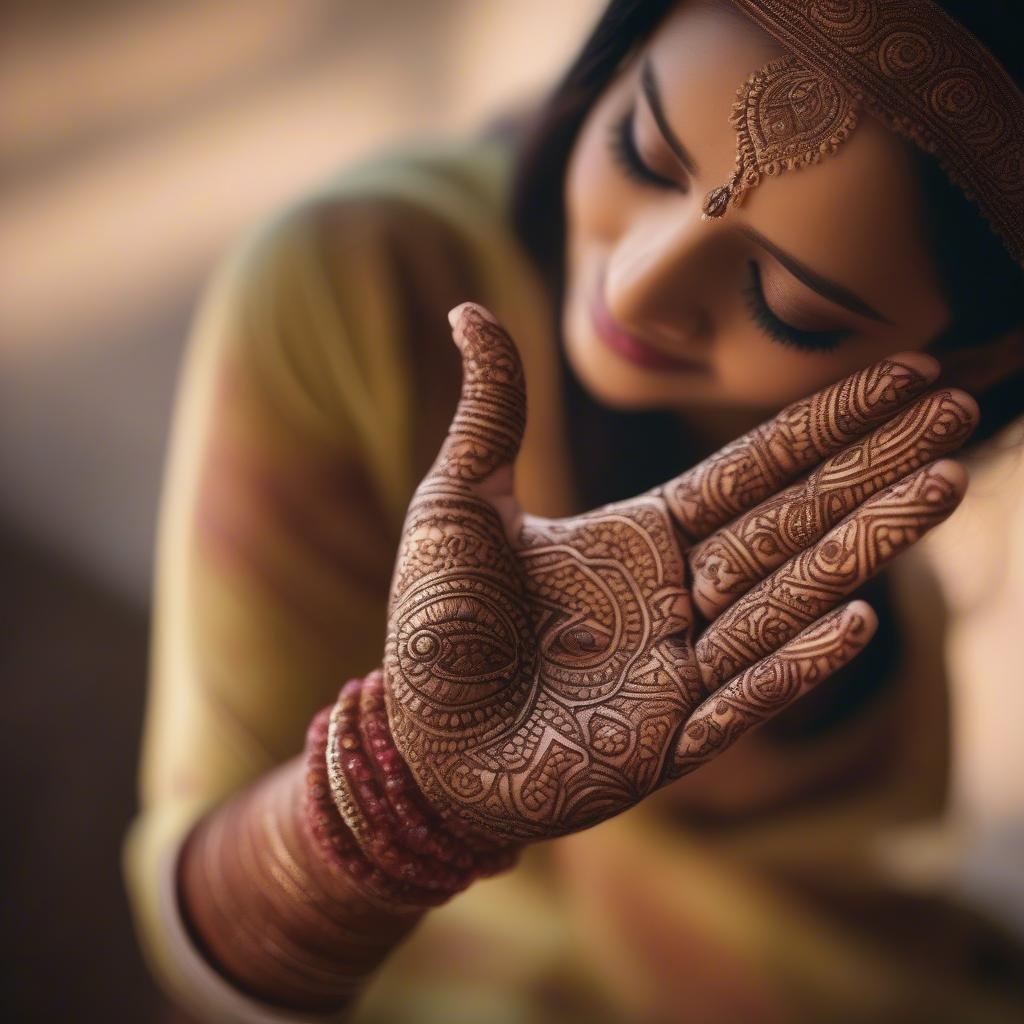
(762, 375)
(754, 373)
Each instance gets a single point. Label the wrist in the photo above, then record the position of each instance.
(370, 818)
(264, 909)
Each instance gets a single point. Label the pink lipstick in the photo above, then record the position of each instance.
(627, 346)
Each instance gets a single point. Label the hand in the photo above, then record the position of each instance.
(542, 675)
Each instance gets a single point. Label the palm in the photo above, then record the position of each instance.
(543, 675)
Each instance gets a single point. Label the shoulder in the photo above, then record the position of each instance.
(337, 302)
(429, 190)
(425, 211)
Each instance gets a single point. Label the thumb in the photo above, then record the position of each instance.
(487, 429)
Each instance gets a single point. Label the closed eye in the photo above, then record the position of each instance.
(622, 145)
(776, 328)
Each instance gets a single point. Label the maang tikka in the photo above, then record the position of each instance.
(786, 116)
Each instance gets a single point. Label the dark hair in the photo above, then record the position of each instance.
(612, 453)
(983, 285)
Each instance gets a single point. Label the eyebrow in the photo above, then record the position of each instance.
(830, 290)
(653, 94)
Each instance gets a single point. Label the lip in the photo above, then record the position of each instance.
(628, 347)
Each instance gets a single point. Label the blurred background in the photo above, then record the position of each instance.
(137, 140)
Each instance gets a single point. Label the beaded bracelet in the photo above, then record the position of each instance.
(370, 818)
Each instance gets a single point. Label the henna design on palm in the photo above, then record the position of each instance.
(543, 675)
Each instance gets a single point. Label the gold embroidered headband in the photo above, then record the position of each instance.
(906, 62)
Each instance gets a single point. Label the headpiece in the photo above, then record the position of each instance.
(906, 62)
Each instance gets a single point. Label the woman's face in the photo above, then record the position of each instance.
(821, 271)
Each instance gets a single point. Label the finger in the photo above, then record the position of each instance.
(488, 425)
(460, 644)
(756, 465)
(813, 582)
(765, 689)
(732, 560)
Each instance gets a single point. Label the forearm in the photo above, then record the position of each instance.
(270, 912)
(297, 888)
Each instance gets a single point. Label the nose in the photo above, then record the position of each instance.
(659, 281)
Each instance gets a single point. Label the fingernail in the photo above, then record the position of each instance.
(454, 314)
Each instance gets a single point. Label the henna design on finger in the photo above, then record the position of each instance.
(736, 557)
(537, 672)
(771, 685)
(813, 582)
(756, 465)
(491, 415)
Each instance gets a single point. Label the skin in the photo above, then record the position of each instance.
(678, 281)
(767, 536)
(675, 280)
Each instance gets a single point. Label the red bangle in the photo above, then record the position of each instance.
(368, 815)
(422, 829)
(326, 825)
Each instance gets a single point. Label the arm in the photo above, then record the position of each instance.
(278, 524)
(298, 904)
(271, 912)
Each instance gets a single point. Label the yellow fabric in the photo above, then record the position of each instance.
(316, 388)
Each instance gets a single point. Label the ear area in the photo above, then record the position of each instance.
(978, 368)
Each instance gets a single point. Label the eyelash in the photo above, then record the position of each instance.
(624, 151)
(778, 330)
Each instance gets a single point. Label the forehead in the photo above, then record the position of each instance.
(839, 215)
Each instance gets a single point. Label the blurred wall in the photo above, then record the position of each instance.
(136, 140)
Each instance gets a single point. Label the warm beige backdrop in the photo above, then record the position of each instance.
(136, 139)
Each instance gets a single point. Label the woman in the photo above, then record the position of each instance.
(533, 669)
